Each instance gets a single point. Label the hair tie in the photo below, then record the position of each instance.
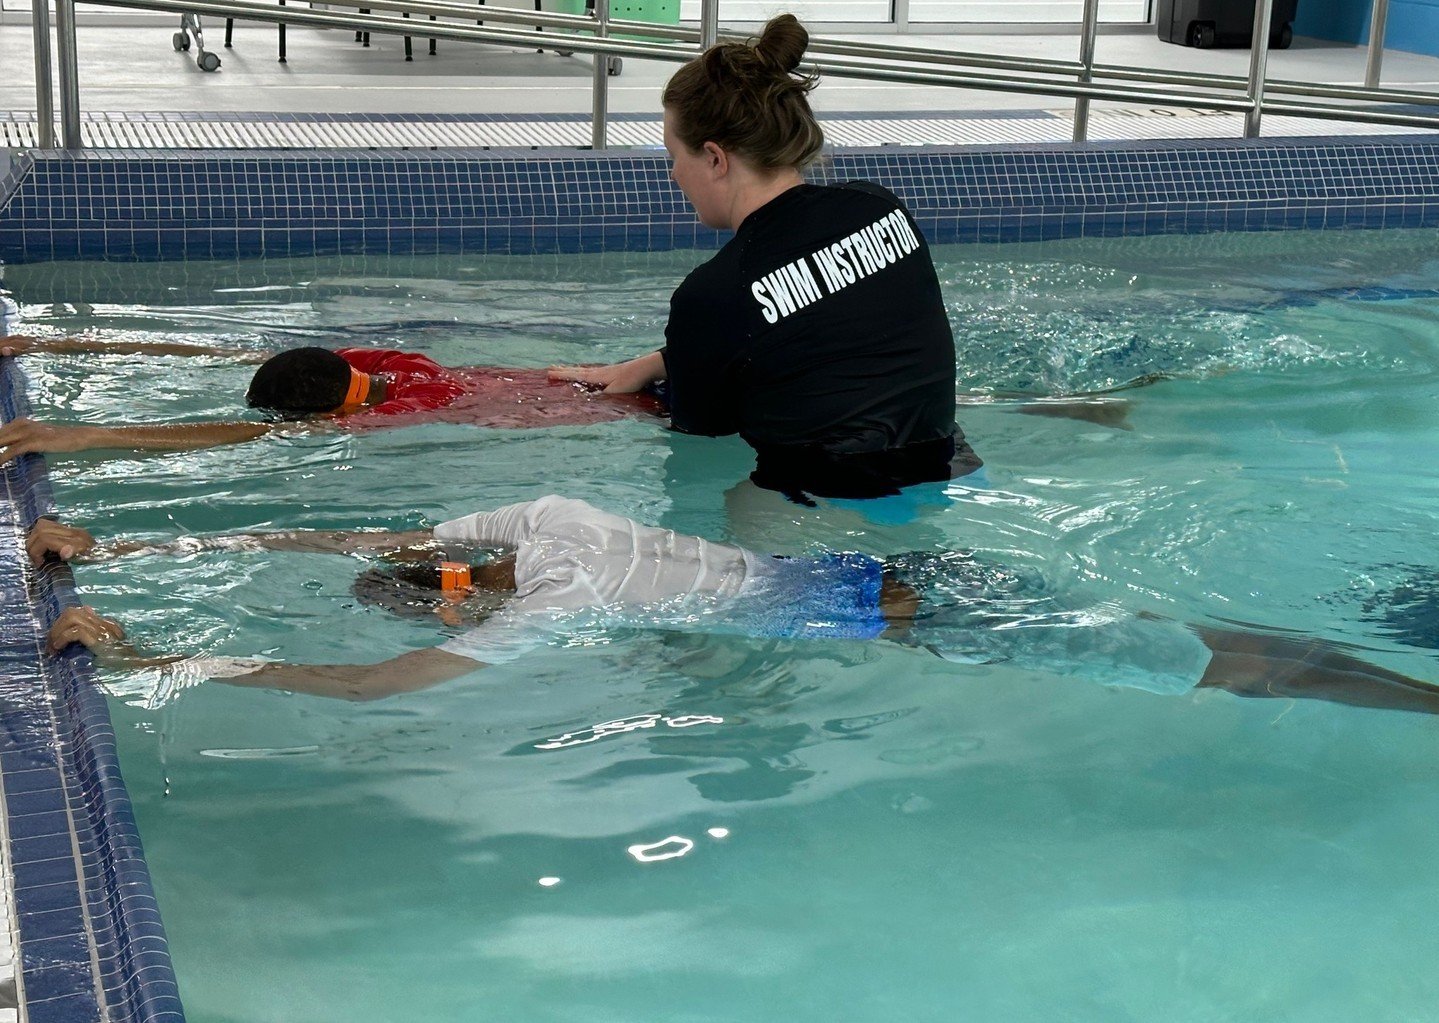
(359, 389)
(763, 56)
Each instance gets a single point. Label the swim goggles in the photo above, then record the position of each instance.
(454, 580)
(359, 390)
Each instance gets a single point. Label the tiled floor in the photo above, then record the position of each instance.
(222, 130)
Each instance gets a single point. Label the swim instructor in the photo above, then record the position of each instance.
(818, 333)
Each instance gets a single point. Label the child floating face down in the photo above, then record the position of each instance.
(569, 565)
(303, 388)
(365, 388)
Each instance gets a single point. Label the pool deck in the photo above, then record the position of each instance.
(137, 91)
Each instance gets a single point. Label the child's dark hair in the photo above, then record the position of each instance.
(410, 590)
(747, 99)
(301, 380)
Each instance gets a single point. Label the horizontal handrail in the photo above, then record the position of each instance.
(1074, 80)
(257, 10)
(1007, 83)
(469, 12)
(842, 47)
(1288, 86)
(1039, 65)
(268, 12)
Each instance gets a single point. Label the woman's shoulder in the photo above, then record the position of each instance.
(871, 189)
(823, 205)
(714, 276)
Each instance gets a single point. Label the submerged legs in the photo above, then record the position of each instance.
(1258, 664)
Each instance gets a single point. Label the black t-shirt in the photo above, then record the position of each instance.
(819, 335)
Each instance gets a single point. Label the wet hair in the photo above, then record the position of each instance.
(414, 591)
(301, 380)
(748, 99)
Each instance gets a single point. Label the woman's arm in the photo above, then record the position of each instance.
(618, 378)
(28, 436)
(24, 344)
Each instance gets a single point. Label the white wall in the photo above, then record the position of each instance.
(925, 11)
(804, 10)
(1024, 11)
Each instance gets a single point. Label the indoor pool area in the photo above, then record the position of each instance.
(1200, 371)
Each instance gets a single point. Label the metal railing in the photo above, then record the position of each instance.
(1082, 80)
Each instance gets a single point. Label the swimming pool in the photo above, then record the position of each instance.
(876, 834)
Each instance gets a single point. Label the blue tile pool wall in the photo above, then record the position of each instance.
(140, 205)
(91, 943)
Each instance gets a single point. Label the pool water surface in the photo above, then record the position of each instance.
(649, 825)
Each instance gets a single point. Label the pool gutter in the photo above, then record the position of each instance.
(226, 204)
(91, 945)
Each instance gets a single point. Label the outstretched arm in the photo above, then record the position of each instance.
(618, 378)
(418, 669)
(28, 436)
(24, 344)
(49, 537)
(400, 545)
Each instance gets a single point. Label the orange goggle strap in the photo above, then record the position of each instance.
(359, 389)
(454, 579)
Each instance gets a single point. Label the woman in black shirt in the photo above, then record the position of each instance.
(818, 333)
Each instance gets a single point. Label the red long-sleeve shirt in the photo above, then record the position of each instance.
(422, 389)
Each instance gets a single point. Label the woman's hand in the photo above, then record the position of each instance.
(86, 626)
(619, 378)
(50, 537)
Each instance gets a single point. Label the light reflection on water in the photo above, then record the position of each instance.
(1031, 846)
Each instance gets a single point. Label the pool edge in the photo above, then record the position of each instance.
(118, 967)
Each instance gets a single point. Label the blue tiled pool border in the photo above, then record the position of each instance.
(91, 944)
(146, 205)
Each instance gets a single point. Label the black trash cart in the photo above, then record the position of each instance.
(1206, 23)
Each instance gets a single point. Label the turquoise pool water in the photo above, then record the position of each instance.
(876, 834)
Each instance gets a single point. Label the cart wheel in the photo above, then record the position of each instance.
(1204, 36)
(564, 53)
(616, 65)
(181, 41)
(1282, 39)
(209, 61)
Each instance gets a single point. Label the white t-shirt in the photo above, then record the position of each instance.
(571, 558)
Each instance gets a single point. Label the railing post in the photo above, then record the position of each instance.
(599, 128)
(1377, 26)
(1258, 58)
(709, 24)
(44, 77)
(1086, 57)
(69, 73)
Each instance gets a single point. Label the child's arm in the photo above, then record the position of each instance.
(24, 344)
(29, 436)
(418, 669)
